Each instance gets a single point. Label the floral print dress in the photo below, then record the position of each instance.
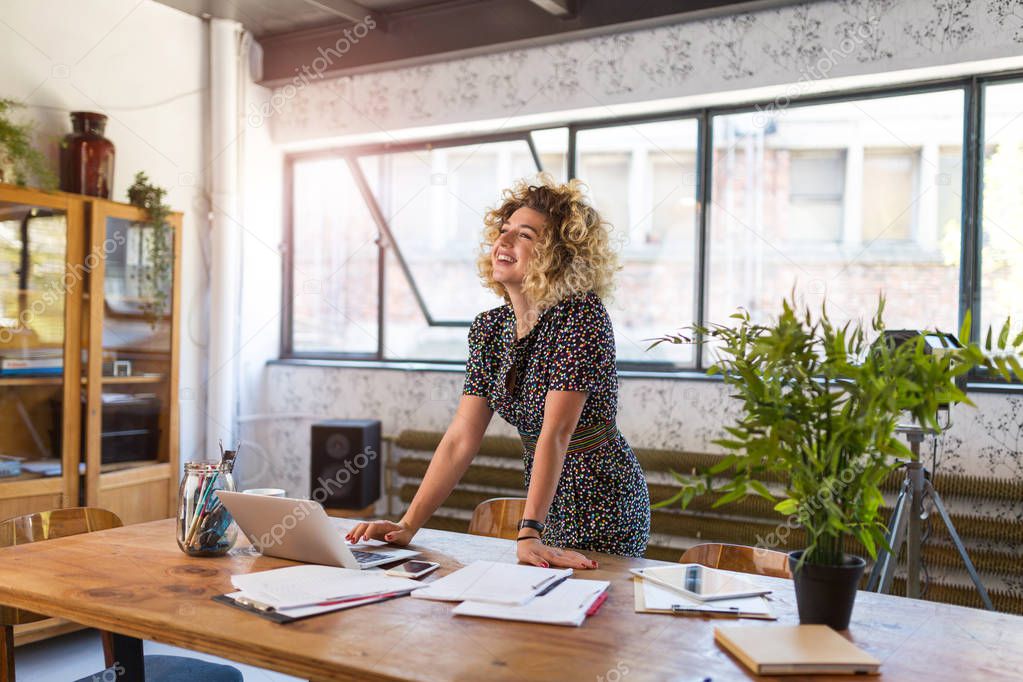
(601, 503)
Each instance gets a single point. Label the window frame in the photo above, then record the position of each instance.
(973, 87)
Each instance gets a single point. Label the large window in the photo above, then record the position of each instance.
(839, 199)
(1001, 282)
(334, 297)
(642, 179)
(843, 224)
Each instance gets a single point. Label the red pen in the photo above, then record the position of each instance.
(597, 603)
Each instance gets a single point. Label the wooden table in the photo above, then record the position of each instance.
(134, 581)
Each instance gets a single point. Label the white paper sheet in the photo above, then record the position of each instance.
(566, 604)
(294, 586)
(492, 582)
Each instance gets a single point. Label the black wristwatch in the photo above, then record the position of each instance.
(530, 523)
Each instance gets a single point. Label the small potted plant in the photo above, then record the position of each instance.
(20, 161)
(820, 408)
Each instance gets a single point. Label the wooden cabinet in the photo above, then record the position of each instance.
(89, 328)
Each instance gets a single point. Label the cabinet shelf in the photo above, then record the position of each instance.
(147, 379)
(57, 381)
(31, 381)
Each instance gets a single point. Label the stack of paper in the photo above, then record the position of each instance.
(567, 604)
(299, 591)
(515, 592)
(493, 582)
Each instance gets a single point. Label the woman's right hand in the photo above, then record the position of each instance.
(394, 533)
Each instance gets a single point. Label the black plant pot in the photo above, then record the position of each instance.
(825, 594)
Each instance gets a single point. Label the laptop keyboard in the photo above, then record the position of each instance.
(367, 557)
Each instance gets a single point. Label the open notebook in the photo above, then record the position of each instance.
(493, 582)
(566, 604)
(795, 650)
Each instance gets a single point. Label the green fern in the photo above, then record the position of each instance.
(18, 154)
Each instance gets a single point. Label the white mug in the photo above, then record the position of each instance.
(269, 492)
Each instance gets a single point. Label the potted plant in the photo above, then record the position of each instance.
(820, 408)
(160, 246)
(20, 161)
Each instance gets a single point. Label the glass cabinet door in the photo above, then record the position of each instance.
(40, 292)
(129, 374)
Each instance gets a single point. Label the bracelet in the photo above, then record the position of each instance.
(527, 537)
(530, 523)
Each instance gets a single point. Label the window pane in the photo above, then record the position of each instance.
(334, 285)
(816, 189)
(434, 201)
(1002, 219)
(642, 179)
(408, 335)
(889, 178)
(552, 146)
(775, 206)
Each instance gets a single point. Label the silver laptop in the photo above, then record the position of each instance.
(300, 530)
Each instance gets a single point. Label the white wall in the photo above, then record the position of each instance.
(143, 65)
(259, 334)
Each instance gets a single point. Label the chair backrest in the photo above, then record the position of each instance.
(49, 525)
(739, 558)
(498, 517)
(56, 523)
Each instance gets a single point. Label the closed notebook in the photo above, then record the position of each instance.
(795, 650)
(492, 582)
(566, 604)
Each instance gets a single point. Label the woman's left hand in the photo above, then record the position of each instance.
(534, 552)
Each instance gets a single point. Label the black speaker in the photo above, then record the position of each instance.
(345, 472)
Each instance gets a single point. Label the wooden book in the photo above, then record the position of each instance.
(795, 650)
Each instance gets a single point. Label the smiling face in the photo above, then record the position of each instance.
(514, 246)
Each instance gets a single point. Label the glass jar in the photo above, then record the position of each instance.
(205, 527)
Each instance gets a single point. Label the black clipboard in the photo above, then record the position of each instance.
(282, 619)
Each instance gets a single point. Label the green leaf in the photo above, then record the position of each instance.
(761, 490)
(787, 507)
(736, 494)
(964, 328)
(1003, 335)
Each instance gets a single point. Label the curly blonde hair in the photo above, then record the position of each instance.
(571, 256)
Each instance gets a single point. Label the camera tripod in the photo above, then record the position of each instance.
(906, 525)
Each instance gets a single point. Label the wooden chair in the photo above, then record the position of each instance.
(498, 517)
(739, 558)
(58, 523)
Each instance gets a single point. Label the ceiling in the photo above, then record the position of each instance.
(405, 32)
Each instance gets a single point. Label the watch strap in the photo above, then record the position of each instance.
(530, 523)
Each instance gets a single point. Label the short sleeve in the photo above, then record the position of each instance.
(477, 378)
(583, 351)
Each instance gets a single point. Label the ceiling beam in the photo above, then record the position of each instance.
(464, 28)
(562, 9)
(350, 11)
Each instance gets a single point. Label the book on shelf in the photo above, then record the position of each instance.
(32, 372)
(32, 362)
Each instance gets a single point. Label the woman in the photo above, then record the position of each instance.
(545, 361)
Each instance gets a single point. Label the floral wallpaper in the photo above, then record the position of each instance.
(790, 45)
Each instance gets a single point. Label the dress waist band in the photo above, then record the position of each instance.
(583, 440)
